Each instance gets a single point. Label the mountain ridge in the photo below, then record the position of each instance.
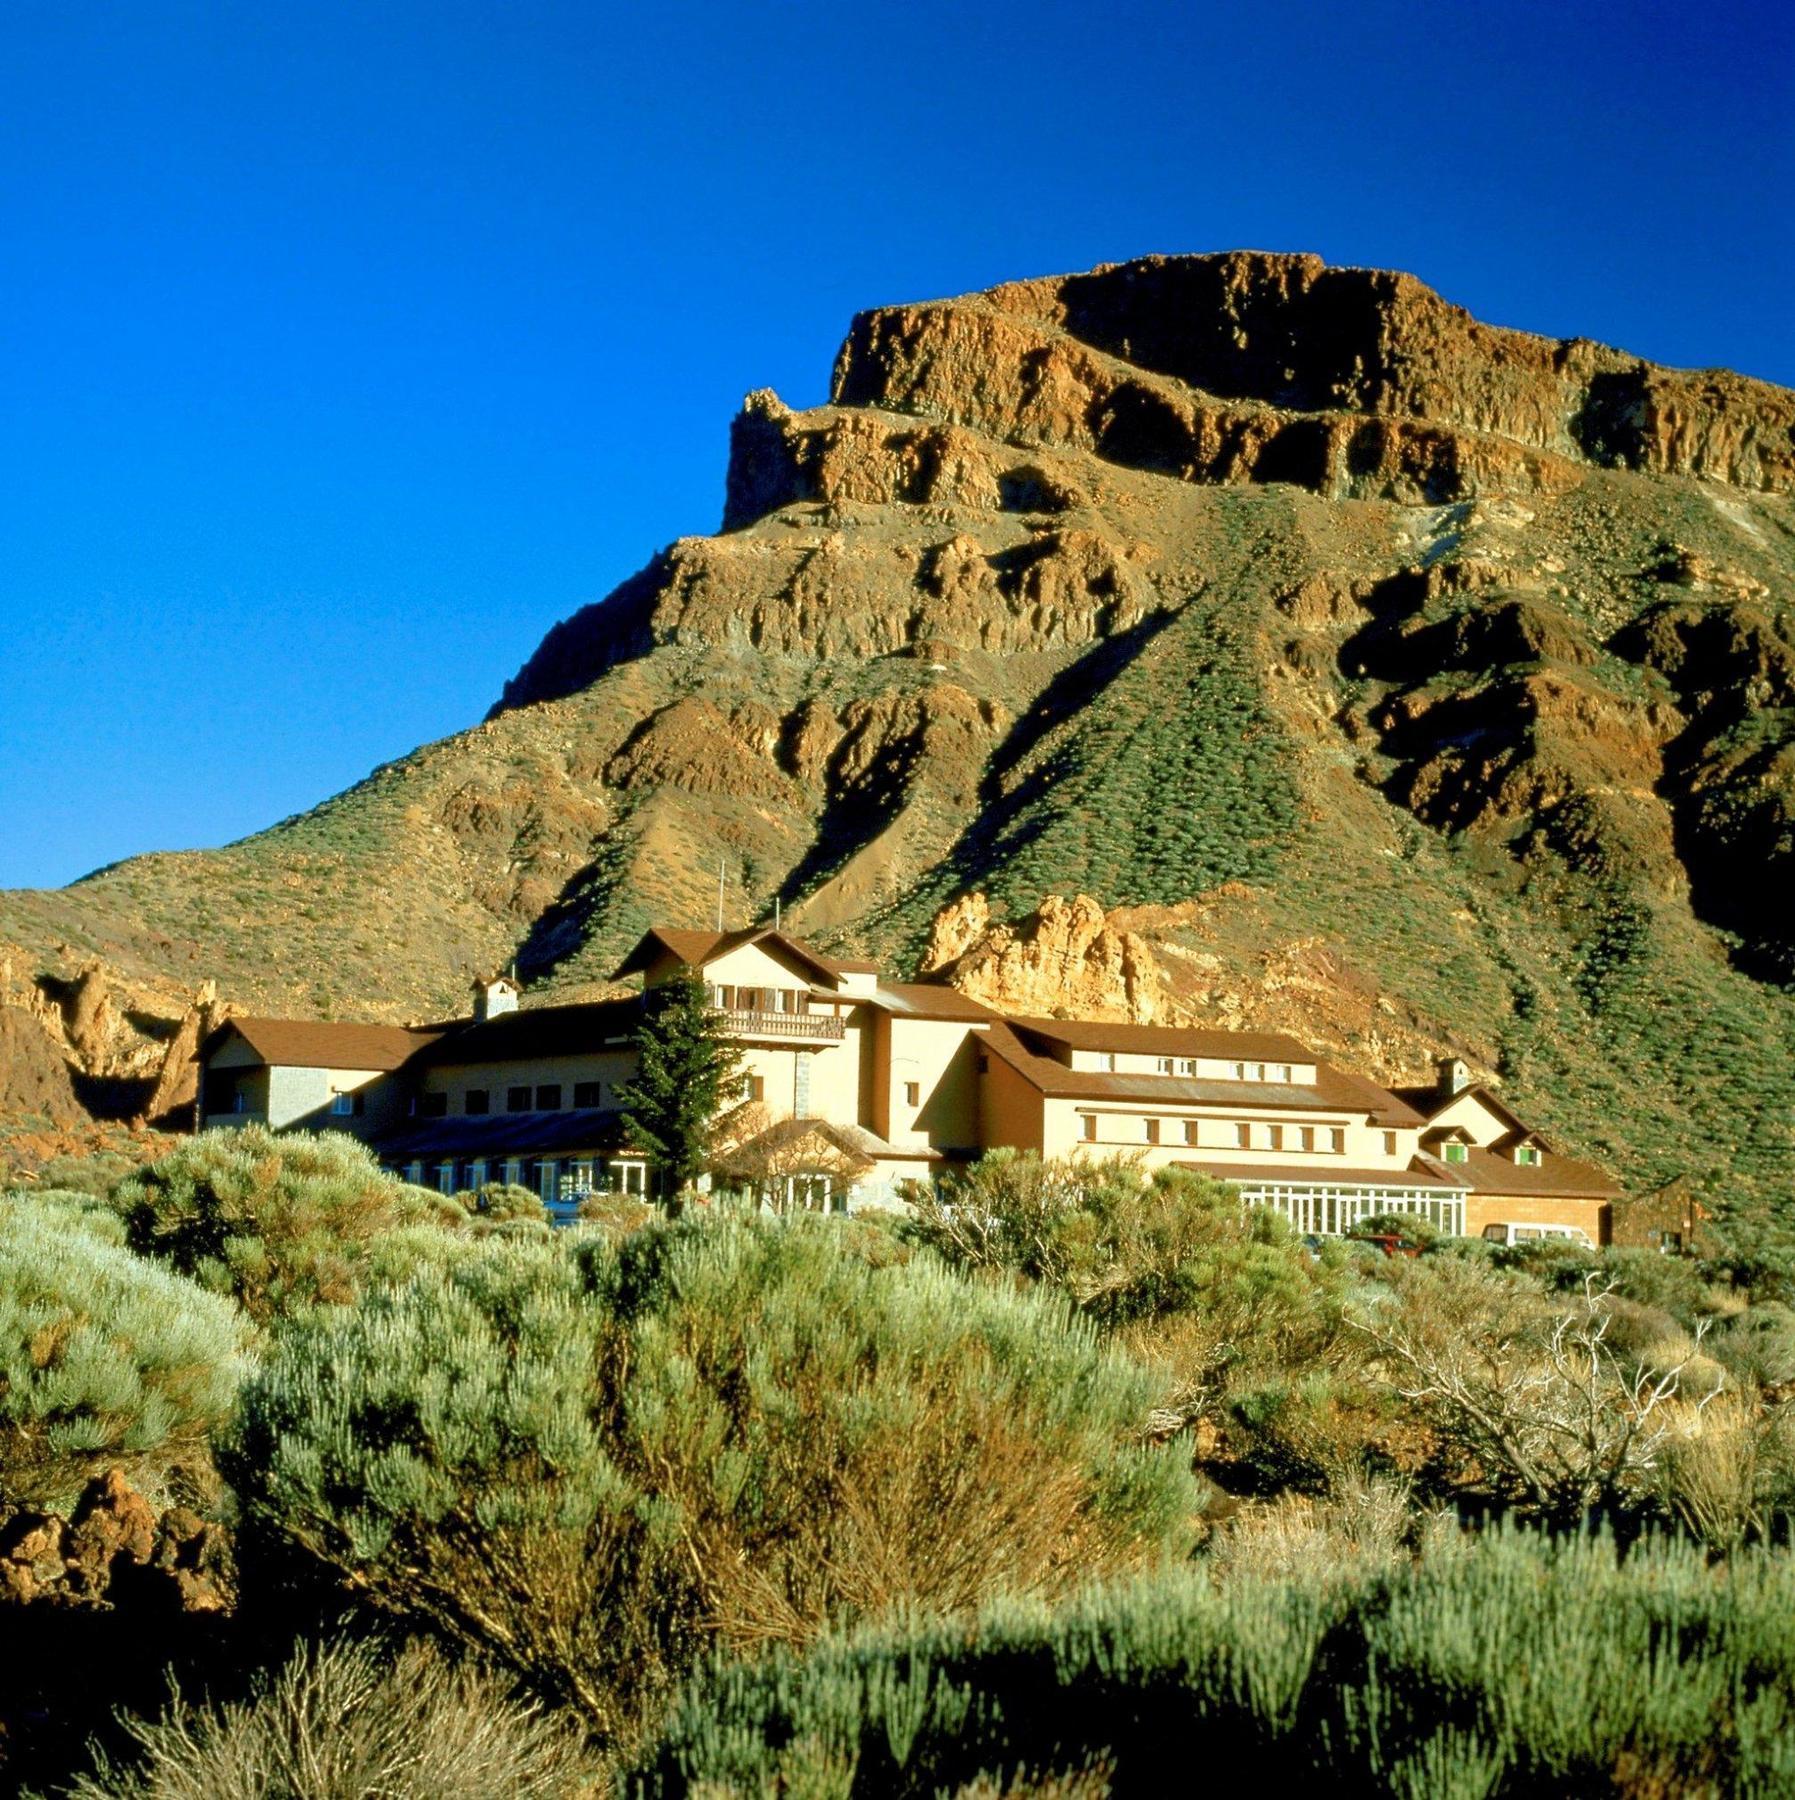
(1479, 739)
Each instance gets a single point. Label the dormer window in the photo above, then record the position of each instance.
(1527, 1155)
(1457, 1153)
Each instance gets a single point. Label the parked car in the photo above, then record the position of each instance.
(1386, 1241)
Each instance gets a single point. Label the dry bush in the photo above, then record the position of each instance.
(597, 1460)
(1367, 1523)
(1530, 1390)
(349, 1722)
(1727, 1469)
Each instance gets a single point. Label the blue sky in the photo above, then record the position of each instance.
(348, 348)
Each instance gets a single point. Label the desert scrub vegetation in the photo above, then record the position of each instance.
(597, 1461)
(105, 1359)
(1515, 1665)
(346, 1721)
(1214, 1295)
(280, 1220)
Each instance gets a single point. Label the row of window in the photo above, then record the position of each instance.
(556, 1181)
(1326, 1140)
(547, 1096)
(543, 1097)
(1187, 1065)
(758, 999)
(1315, 1208)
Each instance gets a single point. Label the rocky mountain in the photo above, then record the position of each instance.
(1220, 637)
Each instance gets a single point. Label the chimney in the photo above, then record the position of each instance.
(1455, 1075)
(494, 995)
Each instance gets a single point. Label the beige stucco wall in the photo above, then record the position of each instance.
(751, 966)
(941, 1056)
(1122, 1128)
(1467, 1111)
(1011, 1111)
(296, 1097)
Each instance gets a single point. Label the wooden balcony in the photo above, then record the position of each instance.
(783, 1027)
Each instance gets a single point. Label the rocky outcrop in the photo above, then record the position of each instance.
(171, 1100)
(1133, 360)
(1066, 960)
(114, 1541)
(34, 1074)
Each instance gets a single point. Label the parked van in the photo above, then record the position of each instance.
(1533, 1234)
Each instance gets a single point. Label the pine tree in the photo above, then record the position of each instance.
(685, 1075)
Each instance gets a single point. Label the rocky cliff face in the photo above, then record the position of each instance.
(1226, 638)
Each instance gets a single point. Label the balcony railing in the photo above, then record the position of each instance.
(733, 1022)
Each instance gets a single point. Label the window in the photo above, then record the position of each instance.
(1286, 1073)
(517, 1099)
(1090, 1128)
(342, 1106)
(1187, 1065)
(757, 1087)
(434, 1106)
(588, 1093)
(1455, 1153)
(913, 1093)
(1243, 1137)
(629, 1177)
(1527, 1154)
(548, 1097)
(1166, 1065)
(1389, 1143)
(445, 1178)
(1305, 1137)
(1275, 1136)
(475, 1102)
(1106, 1059)
(1240, 1071)
(1336, 1140)
(1152, 1130)
(240, 1100)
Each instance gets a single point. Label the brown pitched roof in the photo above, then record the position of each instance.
(929, 1000)
(1558, 1177)
(537, 1031)
(324, 1044)
(1430, 1102)
(498, 1135)
(695, 948)
(1334, 1090)
(1417, 1174)
(1167, 1040)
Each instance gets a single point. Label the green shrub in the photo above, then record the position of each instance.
(1669, 1283)
(594, 1459)
(278, 1220)
(1515, 1666)
(1129, 1244)
(503, 1200)
(104, 1358)
(344, 1722)
(1758, 1345)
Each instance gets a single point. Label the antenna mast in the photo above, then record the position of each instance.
(720, 866)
